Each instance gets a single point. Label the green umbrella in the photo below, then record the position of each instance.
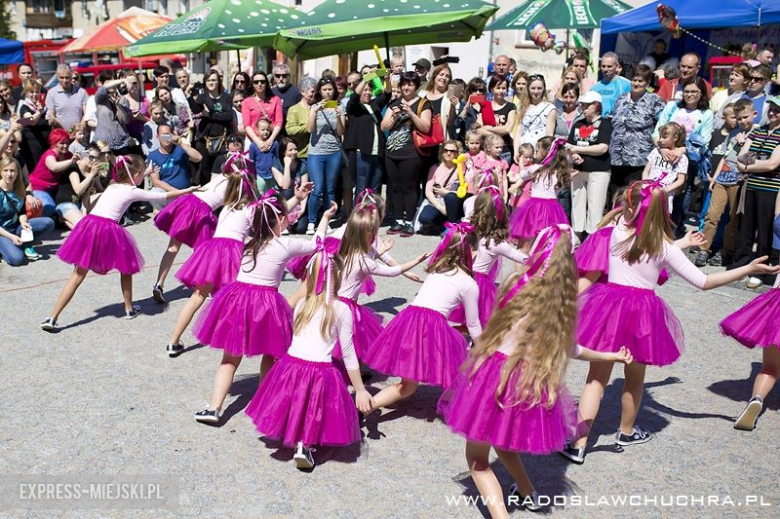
(219, 25)
(341, 26)
(559, 14)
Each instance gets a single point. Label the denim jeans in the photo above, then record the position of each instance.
(11, 253)
(324, 171)
(50, 208)
(368, 172)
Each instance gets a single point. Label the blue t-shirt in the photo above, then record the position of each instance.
(264, 160)
(174, 167)
(610, 92)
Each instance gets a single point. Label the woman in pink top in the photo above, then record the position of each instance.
(419, 345)
(303, 401)
(626, 312)
(98, 243)
(262, 105)
(249, 316)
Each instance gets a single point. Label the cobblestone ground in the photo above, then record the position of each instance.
(102, 398)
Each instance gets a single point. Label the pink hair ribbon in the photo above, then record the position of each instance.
(495, 194)
(269, 199)
(647, 196)
(122, 161)
(557, 143)
(366, 197)
(463, 228)
(232, 158)
(325, 272)
(540, 254)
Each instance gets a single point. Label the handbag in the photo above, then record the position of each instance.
(425, 142)
(214, 144)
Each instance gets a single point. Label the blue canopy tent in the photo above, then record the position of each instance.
(11, 52)
(701, 17)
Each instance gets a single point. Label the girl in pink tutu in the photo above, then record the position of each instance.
(304, 401)
(357, 253)
(494, 172)
(98, 243)
(190, 219)
(543, 209)
(418, 345)
(249, 316)
(510, 394)
(626, 312)
(758, 324)
(489, 220)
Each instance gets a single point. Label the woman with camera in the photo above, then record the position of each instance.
(113, 117)
(216, 122)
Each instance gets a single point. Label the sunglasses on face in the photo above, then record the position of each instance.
(757, 79)
(450, 150)
(93, 157)
(259, 82)
(240, 81)
(279, 76)
(535, 77)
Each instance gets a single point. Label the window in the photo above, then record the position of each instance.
(38, 6)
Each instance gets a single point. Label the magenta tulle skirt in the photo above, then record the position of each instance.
(101, 245)
(593, 256)
(187, 219)
(215, 262)
(469, 408)
(487, 300)
(246, 319)
(304, 401)
(533, 216)
(613, 315)
(757, 323)
(418, 345)
(297, 265)
(366, 327)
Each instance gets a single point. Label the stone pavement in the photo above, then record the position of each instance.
(102, 398)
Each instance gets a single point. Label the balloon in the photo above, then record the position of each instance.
(667, 17)
(462, 186)
(542, 38)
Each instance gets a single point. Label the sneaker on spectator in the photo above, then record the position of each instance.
(31, 254)
(701, 258)
(407, 231)
(396, 228)
(310, 229)
(754, 282)
(716, 260)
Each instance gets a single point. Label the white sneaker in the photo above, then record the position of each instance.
(310, 229)
(285, 232)
(747, 420)
(530, 503)
(754, 282)
(207, 415)
(303, 458)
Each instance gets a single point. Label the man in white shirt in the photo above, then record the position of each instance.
(183, 80)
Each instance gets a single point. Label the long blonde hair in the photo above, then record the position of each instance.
(18, 186)
(540, 319)
(362, 228)
(315, 303)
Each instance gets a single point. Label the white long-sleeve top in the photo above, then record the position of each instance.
(309, 344)
(358, 270)
(489, 253)
(644, 274)
(444, 292)
(272, 259)
(115, 200)
(234, 223)
(543, 186)
(214, 192)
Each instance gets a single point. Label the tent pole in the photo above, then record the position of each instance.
(387, 47)
(238, 54)
(567, 45)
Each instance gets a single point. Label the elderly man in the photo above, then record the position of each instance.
(611, 85)
(66, 102)
(284, 88)
(182, 82)
(690, 64)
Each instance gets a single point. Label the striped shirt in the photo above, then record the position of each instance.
(763, 143)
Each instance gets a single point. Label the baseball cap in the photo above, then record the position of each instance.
(423, 63)
(775, 100)
(590, 97)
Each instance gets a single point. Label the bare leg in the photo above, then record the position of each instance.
(266, 364)
(224, 379)
(590, 399)
(513, 463)
(394, 393)
(770, 370)
(167, 260)
(631, 400)
(75, 280)
(477, 456)
(72, 217)
(194, 303)
(297, 295)
(126, 280)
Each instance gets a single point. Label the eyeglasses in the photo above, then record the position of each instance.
(691, 92)
(758, 79)
(259, 82)
(478, 90)
(64, 77)
(281, 75)
(450, 150)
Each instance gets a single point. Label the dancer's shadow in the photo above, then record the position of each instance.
(741, 390)
(244, 388)
(421, 405)
(388, 305)
(151, 307)
(322, 455)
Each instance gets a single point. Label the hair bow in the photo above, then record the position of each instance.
(495, 194)
(325, 271)
(122, 161)
(463, 228)
(541, 254)
(367, 197)
(647, 196)
(557, 143)
(269, 199)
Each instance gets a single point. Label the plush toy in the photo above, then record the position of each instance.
(667, 17)
(545, 40)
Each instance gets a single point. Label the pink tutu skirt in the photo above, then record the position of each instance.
(214, 263)
(757, 323)
(487, 300)
(304, 401)
(419, 345)
(246, 319)
(101, 245)
(469, 408)
(187, 219)
(533, 216)
(593, 256)
(366, 327)
(297, 265)
(613, 315)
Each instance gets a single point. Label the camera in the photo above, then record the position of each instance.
(122, 88)
(197, 89)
